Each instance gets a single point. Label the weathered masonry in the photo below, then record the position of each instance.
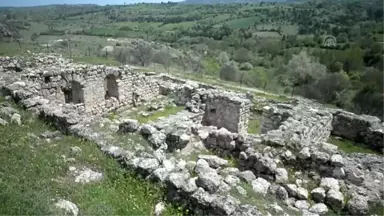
(228, 112)
(96, 89)
(102, 88)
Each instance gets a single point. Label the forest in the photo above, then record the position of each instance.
(276, 46)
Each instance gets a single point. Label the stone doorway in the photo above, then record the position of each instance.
(111, 87)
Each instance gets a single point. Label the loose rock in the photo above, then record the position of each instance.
(260, 186)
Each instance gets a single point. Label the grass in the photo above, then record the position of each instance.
(96, 60)
(168, 110)
(33, 173)
(376, 208)
(350, 147)
(136, 25)
(171, 26)
(268, 34)
(258, 200)
(231, 86)
(12, 49)
(281, 98)
(243, 22)
(112, 32)
(254, 126)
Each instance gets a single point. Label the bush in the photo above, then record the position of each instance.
(246, 66)
(229, 71)
(242, 55)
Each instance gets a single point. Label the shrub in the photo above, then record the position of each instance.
(246, 66)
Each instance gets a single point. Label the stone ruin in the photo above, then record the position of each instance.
(288, 169)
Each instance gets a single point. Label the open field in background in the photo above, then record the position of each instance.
(218, 18)
(252, 35)
(268, 34)
(135, 25)
(243, 22)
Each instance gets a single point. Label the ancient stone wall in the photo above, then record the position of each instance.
(273, 118)
(228, 112)
(97, 89)
(284, 124)
(359, 128)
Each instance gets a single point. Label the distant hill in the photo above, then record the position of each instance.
(228, 1)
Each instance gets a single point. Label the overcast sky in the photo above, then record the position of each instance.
(22, 3)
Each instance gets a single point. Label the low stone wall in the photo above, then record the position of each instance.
(285, 124)
(221, 108)
(365, 129)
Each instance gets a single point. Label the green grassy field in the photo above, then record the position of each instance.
(218, 18)
(171, 26)
(34, 173)
(350, 147)
(136, 25)
(243, 22)
(254, 126)
(12, 49)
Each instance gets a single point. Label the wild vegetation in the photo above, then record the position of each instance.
(278, 47)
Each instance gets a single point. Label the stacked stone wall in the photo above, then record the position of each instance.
(228, 112)
(285, 124)
(52, 81)
(359, 128)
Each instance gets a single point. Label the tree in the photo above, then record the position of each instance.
(257, 77)
(336, 67)
(329, 87)
(223, 58)
(142, 53)
(302, 69)
(121, 55)
(242, 55)
(34, 37)
(342, 38)
(229, 71)
(164, 58)
(369, 101)
(380, 64)
(354, 59)
(68, 38)
(244, 34)
(211, 66)
(148, 31)
(197, 66)
(184, 61)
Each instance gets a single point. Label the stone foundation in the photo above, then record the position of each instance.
(296, 126)
(365, 129)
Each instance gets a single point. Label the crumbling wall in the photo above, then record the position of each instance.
(144, 87)
(359, 128)
(229, 112)
(284, 124)
(99, 88)
(272, 118)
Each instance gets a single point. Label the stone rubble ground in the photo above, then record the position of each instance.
(293, 136)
